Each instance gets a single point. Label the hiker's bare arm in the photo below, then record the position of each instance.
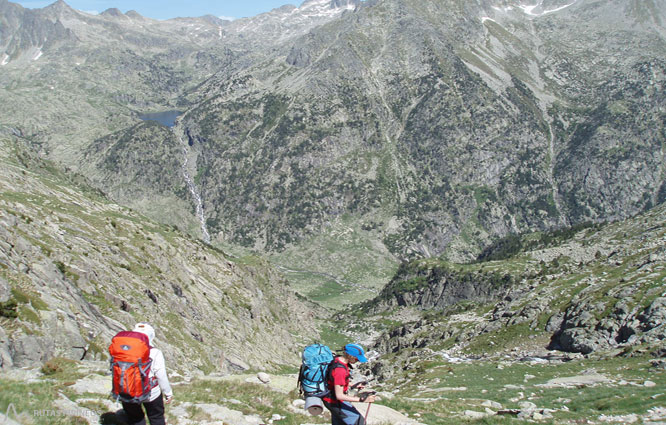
(340, 395)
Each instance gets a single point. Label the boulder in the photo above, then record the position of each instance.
(473, 414)
(492, 404)
(581, 340)
(69, 408)
(93, 384)
(379, 415)
(263, 377)
(234, 364)
(555, 322)
(654, 315)
(527, 405)
(575, 381)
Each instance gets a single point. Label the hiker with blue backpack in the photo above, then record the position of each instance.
(326, 378)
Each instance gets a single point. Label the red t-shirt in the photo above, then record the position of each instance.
(339, 376)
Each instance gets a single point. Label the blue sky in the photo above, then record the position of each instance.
(165, 9)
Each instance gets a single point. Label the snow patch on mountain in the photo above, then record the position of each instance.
(503, 9)
(323, 8)
(290, 21)
(537, 9)
(559, 8)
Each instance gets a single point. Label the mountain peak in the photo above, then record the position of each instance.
(330, 4)
(134, 14)
(113, 12)
(57, 11)
(59, 7)
(326, 8)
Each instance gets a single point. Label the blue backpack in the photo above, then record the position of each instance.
(314, 370)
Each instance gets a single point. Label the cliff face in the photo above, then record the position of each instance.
(427, 286)
(76, 268)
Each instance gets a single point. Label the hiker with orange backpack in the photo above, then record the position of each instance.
(139, 375)
(337, 401)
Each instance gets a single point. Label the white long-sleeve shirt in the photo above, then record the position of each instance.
(158, 370)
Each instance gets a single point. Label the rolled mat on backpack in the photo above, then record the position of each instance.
(314, 405)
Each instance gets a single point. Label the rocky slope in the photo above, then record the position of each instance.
(144, 166)
(76, 268)
(586, 290)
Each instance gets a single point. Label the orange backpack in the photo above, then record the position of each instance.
(130, 367)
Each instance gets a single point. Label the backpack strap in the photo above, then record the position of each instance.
(300, 379)
(329, 377)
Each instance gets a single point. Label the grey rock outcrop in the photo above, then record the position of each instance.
(6, 360)
(31, 350)
(5, 290)
(437, 287)
(581, 331)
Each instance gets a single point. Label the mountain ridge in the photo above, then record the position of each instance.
(519, 94)
(428, 128)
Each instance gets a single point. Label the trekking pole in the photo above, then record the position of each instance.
(363, 397)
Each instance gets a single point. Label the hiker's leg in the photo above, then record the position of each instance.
(336, 414)
(350, 415)
(336, 420)
(155, 411)
(135, 414)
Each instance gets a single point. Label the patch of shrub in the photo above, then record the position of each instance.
(512, 245)
(9, 309)
(51, 367)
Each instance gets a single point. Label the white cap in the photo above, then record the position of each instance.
(146, 329)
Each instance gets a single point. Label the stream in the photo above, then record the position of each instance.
(195, 194)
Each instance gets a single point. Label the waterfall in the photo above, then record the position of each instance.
(195, 194)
